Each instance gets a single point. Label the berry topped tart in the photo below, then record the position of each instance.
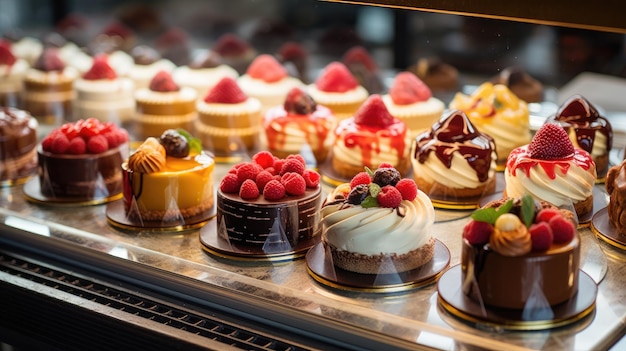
(80, 162)
(379, 223)
(551, 169)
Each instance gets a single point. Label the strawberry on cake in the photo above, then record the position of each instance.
(203, 72)
(148, 62)
(379, 223)
(269, 203)
(229, 121)
(551, 169)
(371, 137)
(410, 100)
(12, 71)
(101, 94)
(337, 89)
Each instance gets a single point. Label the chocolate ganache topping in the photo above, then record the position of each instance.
(581, 115)
(144, 55)
(456, 133)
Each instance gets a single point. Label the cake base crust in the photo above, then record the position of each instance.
(440, 191)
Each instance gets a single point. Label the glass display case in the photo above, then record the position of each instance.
(71, 279)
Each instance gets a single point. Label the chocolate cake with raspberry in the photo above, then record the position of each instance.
(269, 203)
(81, 160)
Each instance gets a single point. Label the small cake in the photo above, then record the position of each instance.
(267, 81)
(174, 45)
(270, 202)
(295, 59)
(453, 161)
(163, 105)
(587, 130)
(616, 188)
(364, 69)
(12, 71)
(229, 122)
(520, 254)
(168, 180)
(81, 160)
(337, 89)
(299, 125)
(551, 169)
(18, 145)
(378, 223)
(101, 94)
(410, 100)
(25, 47)
(496, 111)
(148, 62)
(371, 137)
(48, 88)
(235, 51)
(203, 73)
(522, 84)
(436, 74)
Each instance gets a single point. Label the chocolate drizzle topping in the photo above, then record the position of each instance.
(585, 119)
(456, 133)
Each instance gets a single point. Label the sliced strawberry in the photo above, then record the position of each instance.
(6, 56)
(226, 91)
(100, 69)
(266, 68)
(407, 88)
(551, 142)
(163, 82)
(336, 78)
(374, 113)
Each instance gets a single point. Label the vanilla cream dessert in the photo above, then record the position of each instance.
(203, 73)
(390, 237)
(551, 169)
(12, 72)
(496, 111)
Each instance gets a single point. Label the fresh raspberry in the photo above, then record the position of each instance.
(6, 56)
(248, 190)
(297, 157)
(311, 178)
(292, 165)
(389, 197)
(111, 138)
(46, 143)
(294, 183)
(271, 170)
(265, 67)
(407, 188)
(234, 168)
(100, 69)
(562, 229)
(373, 113)
(88, 128)
(385, 165)
(477, 232)
(77, 146)
(60, 144)
(550, 142)
(70, 129)
(264, 159)
(541, 236)
(97, 144)
(226, 91)
(360, 178)
(278, 165)
(262, 179)
(274, 190)
(248, 170)
(546, 214)
(163, 82)
(230, 184)
(359, 55)
(407, 89)
(336, 78)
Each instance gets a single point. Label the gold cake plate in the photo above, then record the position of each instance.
(452, 300)
(218, 246)
(320, 267)
(116, 216)
(32, 192)
(16, 181)
(605, 230)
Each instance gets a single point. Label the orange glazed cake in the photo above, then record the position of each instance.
(229, 121)
(163, 105)
(18, 144)
(298, 125)
(12, 71)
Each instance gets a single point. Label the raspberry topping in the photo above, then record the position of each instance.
(292, 165)
(336, 78)
(389, 197)
(477, 232)
(294, 183)
(266, 68)
(248, 171)
(100, 69)
(230, 183)
(263, 178)
(374, 113)
(298, 102)
(541, 236)
(77, 146)
(248, 190)
(311, 178)
(97, 144)
(562, 229)
(360, 178)
(274, 190)
(49, 61)
(163, 82)
(407, 188)
(551, 143)
(366, 189)
(407, 88)
(264, 159)
(230, 44)
(6, 56)
(84, 136)
(226, 91)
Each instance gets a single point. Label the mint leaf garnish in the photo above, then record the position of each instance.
(195, 145)
(374, 189)
(528, 209)
(369, 171)
(490, 214)
(369, 202)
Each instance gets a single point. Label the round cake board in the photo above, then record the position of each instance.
(32, 192)
(452, 300)
(321, 269)
(13, 182)
(218, 246)
(116, 216)
(605, 230)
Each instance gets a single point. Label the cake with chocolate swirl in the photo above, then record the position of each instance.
(18, 144)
